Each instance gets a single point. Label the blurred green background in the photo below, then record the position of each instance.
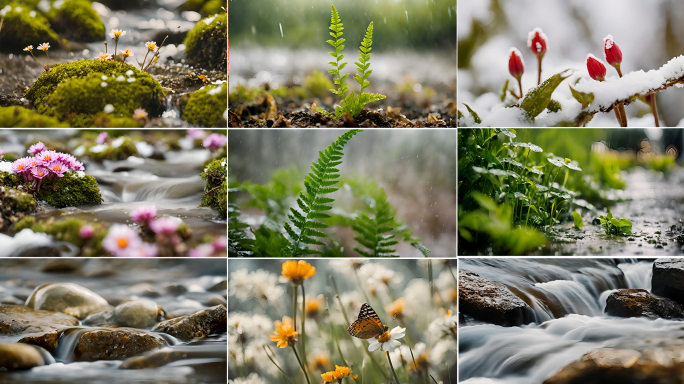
(413, 24)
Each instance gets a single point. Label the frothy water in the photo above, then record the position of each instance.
(568, 297)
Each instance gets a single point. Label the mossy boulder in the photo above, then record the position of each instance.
(24, 26)
(79, 90)
(206, 106)
(204, 7)
(71, 190)
(207, 43)
(69, 230)
(216, 191)
(76, 20)
(15, 205)
(118, 149)
(20, 117)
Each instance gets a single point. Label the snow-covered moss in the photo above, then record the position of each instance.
(69, 230)
(72, 190)
(207, 105)
(24, 26)
(207, 43)
(21, 117)
(216, 191)
(118, 149)
(14, 206)
(79, 90)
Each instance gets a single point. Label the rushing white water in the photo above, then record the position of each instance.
(491, 354)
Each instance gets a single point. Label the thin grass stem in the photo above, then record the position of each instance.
(306, 375)
(392, 367)
(274, 363)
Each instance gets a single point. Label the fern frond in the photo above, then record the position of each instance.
(312, 204)
(337, 42)
(364, 59)
(372, 230)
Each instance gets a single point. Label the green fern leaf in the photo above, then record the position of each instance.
(313, 205)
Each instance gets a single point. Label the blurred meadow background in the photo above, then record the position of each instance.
(418, 295)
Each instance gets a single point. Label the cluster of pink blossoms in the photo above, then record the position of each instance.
(45, 164)
(214, 141)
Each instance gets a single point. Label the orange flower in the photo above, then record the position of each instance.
(313, 306)
(423, 362)
(342, 372)
(285, 333)
(396, 309)
(329, 377)
(297, 271)
(320, 361)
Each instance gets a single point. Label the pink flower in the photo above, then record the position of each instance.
(47, 157)
(597, 70)
(220, 244)
(144, 214)
(36, 148)
(23, 167)
(121, 240)
(214, 141)
(197, 133)
(145, 250)
(204, 250)
(164, 225)
(102, 138)
(537, 42)
(38, 173)
(58, 168)
(516, 64)
(611, 51)
(86, 232)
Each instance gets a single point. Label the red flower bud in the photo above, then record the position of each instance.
(536, 42)
(611, 51)
(596, 68)
(516, 64)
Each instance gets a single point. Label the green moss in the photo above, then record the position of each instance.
(207, 43)
(241, 93)
(68, 230)
(216, 191)
(77, 20)
(9, 179)
(14, 206)
(74, 91)
(207, 106)
(20, 117)
(204, 7)
(20, 29)
(22, 200)
(121, 152)
(104, 120)
(318, 84)
(70, 191)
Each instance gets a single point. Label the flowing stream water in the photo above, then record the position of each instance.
(173, 185)
(205, 359)
(568, 297)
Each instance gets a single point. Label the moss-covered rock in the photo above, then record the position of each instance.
(207, 106)
(216, 191)
(118, 149)
(20, 117)
(69, 230)
(204, 7)
(24, 26)
(72, 190)
(76, 20)
(78, 91)
(207, 43)
(14, 206)
(105, 120)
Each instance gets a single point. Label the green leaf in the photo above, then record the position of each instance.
(475, 116)
(503, 90)
(537, 99)
(578, 220)
(584, 98)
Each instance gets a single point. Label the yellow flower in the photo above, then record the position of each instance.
(116, 33)
(320, 361)
(44, 47)
(313, 306)
(29, 48)
(127, 53)
(422, 361)
(151, 45)
(285, 333)
(342, 372)
(139, 114)
(297, 271)
(396, 309)
(103, 57)
(329, 377)
(338, 374)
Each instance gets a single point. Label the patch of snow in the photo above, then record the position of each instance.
(144, 149)
(117, 143)
(131, 79)
(80, 174)
(109, 108)
(215, 91)
(186, 142)
(58, 4)
(209, 20)
(98, 148)
(6, 166)
(129, 73)
(32, 13)
(80, 151)
(9, 244)
(120, 78)
(135, 159)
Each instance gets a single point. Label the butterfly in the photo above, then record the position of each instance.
(368, 325)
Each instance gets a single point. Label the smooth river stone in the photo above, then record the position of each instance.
(113, 344)
(68, 298)
(18, 320)
(141, 313)
(639, 302)
(14, 356)
(196, 326)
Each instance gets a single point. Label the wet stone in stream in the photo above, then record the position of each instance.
(18, 320)
(68, 298)
(198, 325)
(112, 344)
(639, 302)
(19, 356)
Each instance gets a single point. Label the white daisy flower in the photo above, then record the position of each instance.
(388, 341)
